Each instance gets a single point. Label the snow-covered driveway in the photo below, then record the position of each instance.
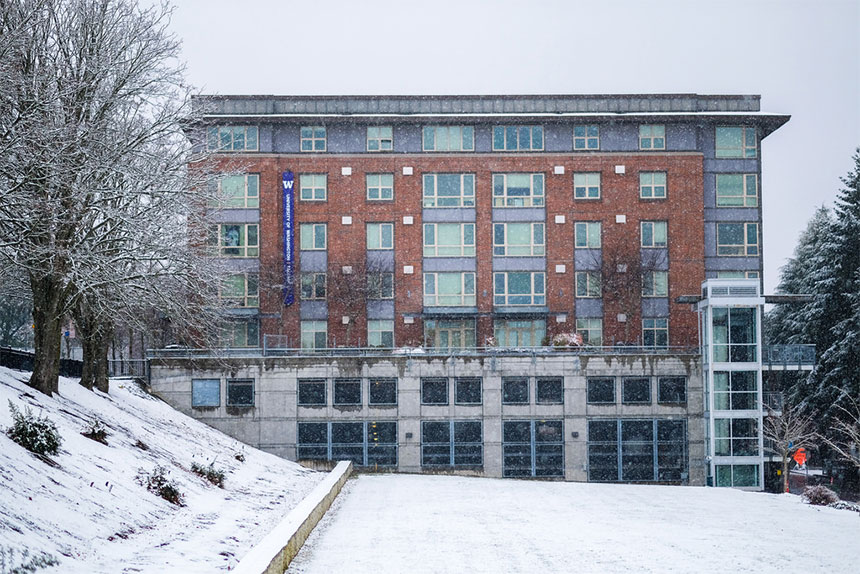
(415, 524)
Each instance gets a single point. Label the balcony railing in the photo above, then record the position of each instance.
(788, 356)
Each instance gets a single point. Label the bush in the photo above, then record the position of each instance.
(210, 473)
(96, 432)
(24, 566)
(36, 434)
(819, 495)
(158, 483)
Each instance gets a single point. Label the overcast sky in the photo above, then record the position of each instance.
(802, 56)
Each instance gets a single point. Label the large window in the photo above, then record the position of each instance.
(449, 240)
(380, 236)
(515, 390)
(600, 390)
(586, 137)
(637, 450)
(451, 443)
(434, 391)
(449, 138)
(653, 234)
(532, 448)
(240, 290)
(587, 234)
(652, 184)
(735, 390)
(737, 475)
(549, 391)
(519, 332)
(314, 334)
(737, 239)
(238, 240)
(380, 186)
(312, 236)
(735, 336)
(737, 274)
(313, 286)
(518, 239)
(736, 437)
(737, 190)
(519, 288)
(588, 284)
(238, 191)
(240, 392)
(636, 390)
(371, 443)
(736, 141)
(380, 333)
(311, 392)
(517, 138)
(591, 331)
(449, 289)
(313, 186)
(205, 393)
(467, 391)
(241, 333)
(652, 137)
(313, 138)
(586, 185)
(449, 190)
(382, 392)
(232, 138)
(380, 285)
(449, 333)
(672, 390)
(655, 283)
(655, 332)
(518, 190)
(347, 392)
(380, 138)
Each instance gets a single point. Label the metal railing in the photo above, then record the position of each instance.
(137, 368)
(788, 355)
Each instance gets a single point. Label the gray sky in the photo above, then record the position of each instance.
(803, 57)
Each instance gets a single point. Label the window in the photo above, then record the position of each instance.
(652, 137)
(380, 186)
(232, 138)
(735, 390)
(347, 392)
(587, 284)
(591, 331)
(238, 191)
(655, 332)
(238, 240)
(240, 290)
(587, 234)
(434, 391)
(737, 275)
(637, 450)
(519, 332)
(380, 236)
(736, 142)
(449, 138)
(313, 236)
(549, 391)
(449, 333)
(240, 392)
(380, 333)
(734, 333)
(636, 390)
(672, 390)
(737, 190)
(517, 138)
(655, 284)
(600, 390)
(382, 392)
(314, 334)
(241, 333)
(519, 288)
(736, 437)
(205, 393)
(736, 475)
(449, 190)
(518, 190)
(380, 285)
(652, 184)
(371, 443)
(313, 186)
(737, 239)
(313, 138)
(515, 390)
(532, 448)
(653, 233)
(467, 391)
(379, 138)
(449, 240)
(313, 286)
(312, 441)
(449, 289)
(586, 185)
(518, 239)
(586, 137)
(451, 443)
(311, 392)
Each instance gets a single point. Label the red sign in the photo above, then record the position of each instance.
(800, 456)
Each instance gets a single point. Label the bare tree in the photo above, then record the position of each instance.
(844, 437)
(788, 431)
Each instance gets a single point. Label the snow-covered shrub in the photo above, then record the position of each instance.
(24, 564)
(210, 473)
(566, 340)
(36, 434)
(819, 495)
(96, 431)
(158, 483)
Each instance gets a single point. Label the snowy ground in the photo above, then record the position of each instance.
(92, 515)
(423, 524)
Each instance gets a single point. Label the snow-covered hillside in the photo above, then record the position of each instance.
(90, 512)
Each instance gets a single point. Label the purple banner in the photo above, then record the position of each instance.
(289, 263)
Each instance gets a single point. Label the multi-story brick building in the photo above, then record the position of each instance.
(464, 222)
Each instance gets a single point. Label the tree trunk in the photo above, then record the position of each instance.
(48, 295)
(95, 343)
(785, 484)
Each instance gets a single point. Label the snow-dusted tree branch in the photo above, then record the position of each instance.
(788, 431)
(844, 437)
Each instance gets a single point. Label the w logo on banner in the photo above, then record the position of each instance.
(289, 263)
(288, 183)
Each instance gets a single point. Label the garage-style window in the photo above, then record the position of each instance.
(240, 392)
(347, 392)
(434, 391)
(205, 393)
(311, 392)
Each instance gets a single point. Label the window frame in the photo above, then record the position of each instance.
(247, 329)
(313, 139)
(379, 186)
(589, 228)
(313, 188)
(589, 133)
(458, 400)
(746, 198)
(311, 280)
(432, 249)
(464, 329)
(747, 249)
(655, 283)
(245, 248)
(502, 133)
(536, 297)
(585, 326)
(197, 396)
(316, 383)
(247, 199)
(448, 451)
(653, 233)
(379, 234)
(669, 380)
(380, 285)
(647, 133)
(231, 386)
(587, 285)
(745, 151)
(250, 292)
(508, 397)
(542, 382)
(462, 137)
(381, 382)
(466, 299)
(626, 390)
(592, 392)
(381, 139)
(313, 236)
(535, 198)
(339, 388)
(425, 382)
(652, 329)
(378, 323)
(653, 185)
(526, 331)
(219, 132)
(430, 183)
(533, 249)
(584, 185)
(314, 333)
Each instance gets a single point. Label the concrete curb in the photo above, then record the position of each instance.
(273, 554)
